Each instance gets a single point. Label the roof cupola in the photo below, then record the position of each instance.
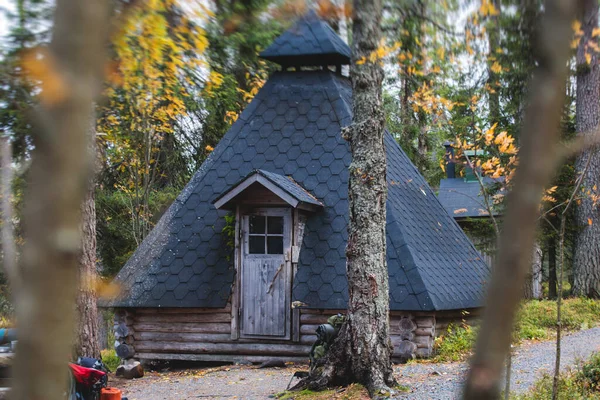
(310, 42)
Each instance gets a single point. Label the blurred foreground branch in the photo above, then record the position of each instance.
(540, 137)
(59, 173)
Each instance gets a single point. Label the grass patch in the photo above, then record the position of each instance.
(572, 385)
(536, 319)
(110, 359)
(351, 392)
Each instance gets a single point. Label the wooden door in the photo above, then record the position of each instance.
(266, 276)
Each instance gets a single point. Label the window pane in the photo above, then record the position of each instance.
(275, 225)
(256, 245)
(257, 224)
(275, 245)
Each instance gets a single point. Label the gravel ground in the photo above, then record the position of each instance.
(425, 380)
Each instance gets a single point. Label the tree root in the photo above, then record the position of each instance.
(341, 367)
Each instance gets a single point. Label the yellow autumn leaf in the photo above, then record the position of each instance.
(588, 58)
(589, 221)
(496, 67)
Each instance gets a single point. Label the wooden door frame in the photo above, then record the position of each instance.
(240, 248)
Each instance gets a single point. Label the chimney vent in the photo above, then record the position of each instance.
(449, 157)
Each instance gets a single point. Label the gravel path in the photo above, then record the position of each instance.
(530, 362)
(425, 380)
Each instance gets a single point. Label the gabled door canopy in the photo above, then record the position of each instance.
(283, 187)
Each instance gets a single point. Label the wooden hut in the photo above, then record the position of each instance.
(250, 258)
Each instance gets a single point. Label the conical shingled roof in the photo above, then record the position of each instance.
(293, 128)
(310, 42)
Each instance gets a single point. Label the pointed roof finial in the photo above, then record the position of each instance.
(310, 42)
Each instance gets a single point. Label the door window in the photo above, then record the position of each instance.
(266, 235)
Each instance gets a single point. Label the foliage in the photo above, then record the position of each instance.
(158, 53)
(536, 319)
(110, 359)
(590, 373)
(456, 343)
(115, 238)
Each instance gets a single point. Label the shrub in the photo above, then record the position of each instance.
(590, 373)
(456, 343)
(110, 359)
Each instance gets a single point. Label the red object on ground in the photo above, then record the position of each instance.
(110, 393)
(86, 376)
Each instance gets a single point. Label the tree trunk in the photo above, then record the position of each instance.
(539, 142)
(55, 192)
(586, 263)
(362, 351)
(87, 340)
(552, 268)
(533, 283)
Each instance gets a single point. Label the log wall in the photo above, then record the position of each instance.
(205, 334)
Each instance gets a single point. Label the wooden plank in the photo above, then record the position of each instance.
(184, 337)
(187, 318)
(237, 259)
(296, 325)
(161, 310)
(222, 348)
(314, 319)
(182, 327)
(219, 357)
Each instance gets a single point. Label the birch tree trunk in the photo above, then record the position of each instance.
(362, 351)
(57, 183)
(586, 263)
(533, 282)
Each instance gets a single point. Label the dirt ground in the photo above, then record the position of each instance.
(424, 380)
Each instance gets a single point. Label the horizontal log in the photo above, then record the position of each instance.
(314, 319)
(308, 329)
(219, 357)
(161, 310)
(424, 352)
(222, 348)
(308, 339)
(424, 322)
(424, 332)
(184, 337)
(182, 327)
(188, 318)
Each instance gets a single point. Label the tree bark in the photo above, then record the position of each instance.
(362, 351)
(533, 282)
(56, 189)
(552, 268)
(537, 162)
(87, 335)
(586, 263)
